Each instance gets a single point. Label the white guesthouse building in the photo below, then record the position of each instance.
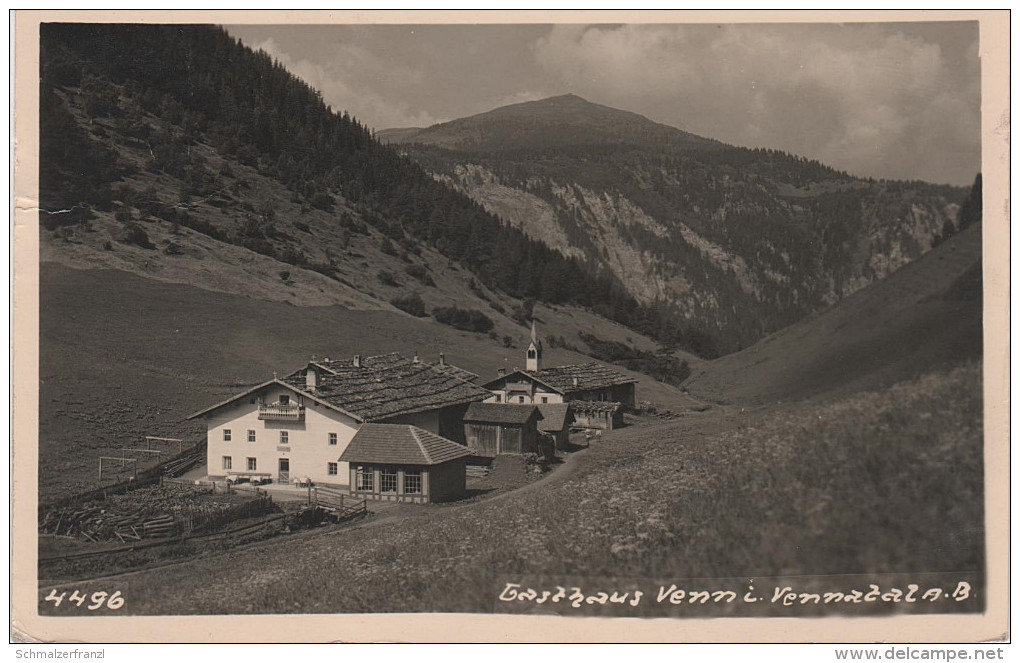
(300, 425)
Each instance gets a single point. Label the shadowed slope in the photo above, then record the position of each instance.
(924, 315)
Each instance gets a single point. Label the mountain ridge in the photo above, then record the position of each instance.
(741, 242)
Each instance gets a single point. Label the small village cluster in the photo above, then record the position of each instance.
(392, 428)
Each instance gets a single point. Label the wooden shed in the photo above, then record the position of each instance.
(602, 415)
(556, 421)
(493, 429)
(402, 463)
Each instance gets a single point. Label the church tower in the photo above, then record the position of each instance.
(534, 351)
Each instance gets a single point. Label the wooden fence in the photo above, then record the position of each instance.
(146, 477)
(205, 522)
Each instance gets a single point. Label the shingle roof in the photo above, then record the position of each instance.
(501, 413)
(595, 406)
(554, 416)
(456, 371)
(401, 445)
(591, 375)
(388, 385)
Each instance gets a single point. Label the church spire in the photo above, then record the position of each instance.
(534, 350)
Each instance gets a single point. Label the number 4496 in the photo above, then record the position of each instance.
(96, 600)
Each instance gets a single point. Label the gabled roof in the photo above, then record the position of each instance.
(554, 416)
(401, 445)
(501, 413)
(456, 371)
(590, 375)
(258, 387)
(389, 385)
(382, 387)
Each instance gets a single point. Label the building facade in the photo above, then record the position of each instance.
(299, 426)
(400, 463)
(540, 385)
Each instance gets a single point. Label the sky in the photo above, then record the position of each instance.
(882, 100)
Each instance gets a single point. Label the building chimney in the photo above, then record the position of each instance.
(575, 381)
(500, 371)
(357, 361)
(416, 357)
(442, 359)
(311, 379)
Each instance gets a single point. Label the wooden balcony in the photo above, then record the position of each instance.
(278, 412)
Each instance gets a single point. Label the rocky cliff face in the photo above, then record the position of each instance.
(741, 242)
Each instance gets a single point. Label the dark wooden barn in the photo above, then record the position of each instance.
(494, 429)
(401, 463)
(555, 422)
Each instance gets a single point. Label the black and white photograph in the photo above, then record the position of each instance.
(571, 320)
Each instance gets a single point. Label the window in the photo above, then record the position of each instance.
(499, 398)
(226, 435)
(331, 469)
(531, 354)
(332, 439)
(253, 464)
(284, 399)
(412, 482)
(251, 436)
(545, 399)
(364, 478)
(284, 437)
(388, 481)
(228, 462)
(520, 399)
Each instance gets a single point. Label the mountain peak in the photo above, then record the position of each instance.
(565, 119)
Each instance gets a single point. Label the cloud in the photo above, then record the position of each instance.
(873, 100)
(346, 84)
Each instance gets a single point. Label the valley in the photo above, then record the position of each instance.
(807, 345)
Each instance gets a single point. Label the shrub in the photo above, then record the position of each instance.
(135, 234)
(322, 200)
(420, 274)
(412, 304)
(463, 319)
(386, 278)
(173, 249)
(386, 246)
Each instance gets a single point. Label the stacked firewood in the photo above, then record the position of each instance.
(95, 523)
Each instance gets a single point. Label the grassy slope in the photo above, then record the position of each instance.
(887, 481)
(925, 315)
(124, 356)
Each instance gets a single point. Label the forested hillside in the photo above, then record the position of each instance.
(169, 131)
(740, 242)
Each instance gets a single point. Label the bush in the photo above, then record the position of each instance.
(463, 319)
(174, 249)
(322, 200)
(386, 278)
(135, 234)
(386, 246)
(420, 274)
(412, 304)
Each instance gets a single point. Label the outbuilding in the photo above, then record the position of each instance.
(555, 422)
(601, 415)
(494, 429)
(402, 463)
